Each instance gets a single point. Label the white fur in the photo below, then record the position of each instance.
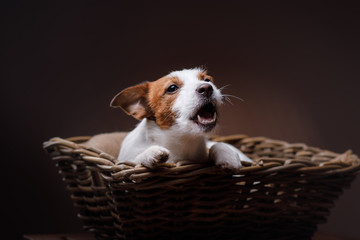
(187, 102)
(149, 145)
(147, 134)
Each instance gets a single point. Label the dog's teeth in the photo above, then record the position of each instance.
(206, 121)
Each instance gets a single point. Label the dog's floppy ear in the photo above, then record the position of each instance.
(133, 101)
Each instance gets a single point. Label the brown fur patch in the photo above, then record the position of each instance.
(133, 101)
(161, 102)
(204, 75)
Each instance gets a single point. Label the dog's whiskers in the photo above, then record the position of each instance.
(228, 100)
(223, 87)
(226, 96)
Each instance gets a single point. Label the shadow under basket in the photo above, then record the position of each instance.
(285, 194)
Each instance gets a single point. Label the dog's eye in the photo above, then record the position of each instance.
(172, 88)
(207, 80)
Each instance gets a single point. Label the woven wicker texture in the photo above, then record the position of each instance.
(284, 195)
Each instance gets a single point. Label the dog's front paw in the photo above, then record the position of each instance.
(153, 156)
(224, 156)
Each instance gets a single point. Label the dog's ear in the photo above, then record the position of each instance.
(133, 101)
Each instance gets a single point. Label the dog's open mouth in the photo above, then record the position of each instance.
(206, 116)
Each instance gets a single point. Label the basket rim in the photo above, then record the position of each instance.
(340, 163)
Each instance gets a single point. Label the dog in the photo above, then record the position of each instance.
(175, 112)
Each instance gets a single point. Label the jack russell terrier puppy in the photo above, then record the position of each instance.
(176, 111)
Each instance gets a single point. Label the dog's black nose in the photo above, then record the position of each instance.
(205, 90)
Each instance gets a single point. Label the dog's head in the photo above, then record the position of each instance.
(186, 100)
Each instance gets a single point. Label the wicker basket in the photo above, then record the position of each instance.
(285, 195)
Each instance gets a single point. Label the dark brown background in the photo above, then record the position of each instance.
(295, 65)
